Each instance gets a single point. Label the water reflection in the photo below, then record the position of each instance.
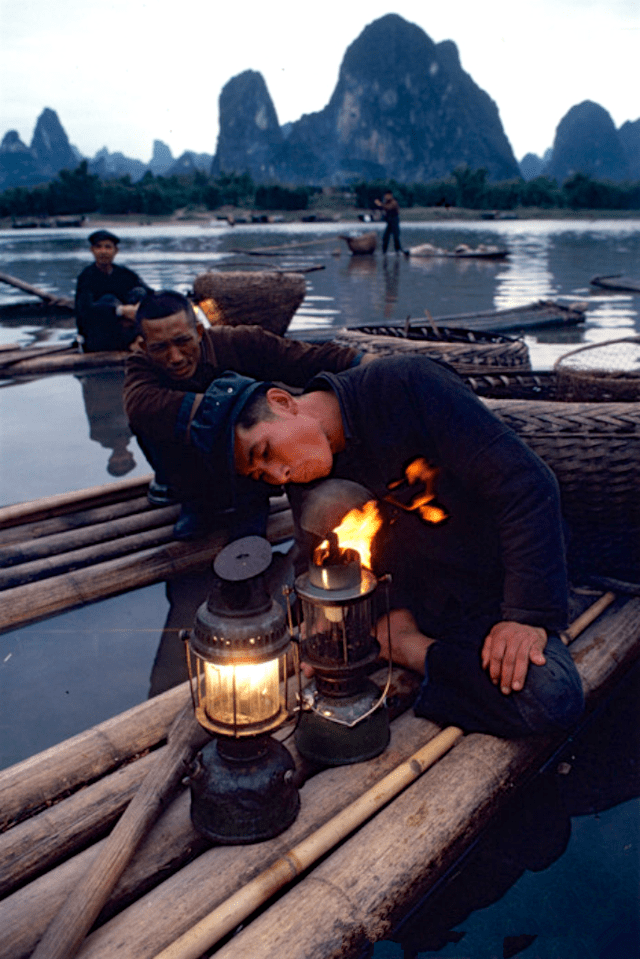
(108, 424)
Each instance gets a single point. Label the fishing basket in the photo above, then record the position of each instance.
(607, 372)
(466, 350)
(361, 243)
(594, 451)
(267, 299)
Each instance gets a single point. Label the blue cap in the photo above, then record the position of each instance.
(212, 429)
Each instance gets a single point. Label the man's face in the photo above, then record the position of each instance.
(290, 448)
(104, 252)
(173, 343)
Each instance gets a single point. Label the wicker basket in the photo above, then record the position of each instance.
(464, 349)
(267, 299)
(594, 451)
(607, 372)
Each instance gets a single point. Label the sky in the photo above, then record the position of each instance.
(122, 73)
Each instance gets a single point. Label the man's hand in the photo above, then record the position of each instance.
(508, 650)
(127, 313)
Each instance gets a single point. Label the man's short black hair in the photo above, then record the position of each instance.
(99, 235)
(155, 306)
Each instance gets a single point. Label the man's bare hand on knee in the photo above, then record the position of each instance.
(408, 645)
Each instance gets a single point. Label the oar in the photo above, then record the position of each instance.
(36, 291)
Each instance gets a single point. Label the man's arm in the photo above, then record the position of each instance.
(255, 352)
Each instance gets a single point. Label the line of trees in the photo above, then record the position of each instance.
(79, 191)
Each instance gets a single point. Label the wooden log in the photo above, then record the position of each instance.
(33, 601)
(36, 291)
(38, 781)
(66, 932)
(70, 521)
(60, 503)
(65, 363)
(90, 535)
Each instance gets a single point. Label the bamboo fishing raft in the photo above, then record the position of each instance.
(98, 838)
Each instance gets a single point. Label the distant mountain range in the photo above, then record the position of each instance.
(403, 107)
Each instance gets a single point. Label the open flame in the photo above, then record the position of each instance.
(420, 471)
(357, 529)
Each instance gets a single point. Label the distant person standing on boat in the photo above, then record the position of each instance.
(391, 212)
(106, 298)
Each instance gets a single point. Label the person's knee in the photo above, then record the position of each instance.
(552, 699)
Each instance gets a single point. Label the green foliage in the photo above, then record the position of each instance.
(78, 191)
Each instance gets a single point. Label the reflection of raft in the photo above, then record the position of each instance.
(176, 879)
(266, 298)
(461, 252)
(361, 243)
(464, 349)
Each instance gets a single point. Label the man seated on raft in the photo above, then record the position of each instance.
(175, 360)
(478, 598)
(106, 297)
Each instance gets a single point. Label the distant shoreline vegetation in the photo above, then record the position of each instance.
(75, 192)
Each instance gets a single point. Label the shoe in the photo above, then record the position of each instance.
(160, 495)
(189, 525)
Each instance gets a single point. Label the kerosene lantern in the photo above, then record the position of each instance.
(344, 718)
(242, 785)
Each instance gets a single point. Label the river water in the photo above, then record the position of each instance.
(67, 432)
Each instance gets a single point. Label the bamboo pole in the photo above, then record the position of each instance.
(77, 499)
(38, 781)
(33, 601)
(232, 912)
(89, 535)
(585, 619)
(70, 521)
(52, 298)
(64, 936)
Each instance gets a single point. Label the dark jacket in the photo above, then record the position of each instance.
(501, 544)
(97, 322)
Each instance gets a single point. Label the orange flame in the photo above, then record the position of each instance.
(357, 529)
(420, 471)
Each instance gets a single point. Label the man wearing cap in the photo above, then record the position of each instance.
(474, 543)
(166, 377)
(106, 297)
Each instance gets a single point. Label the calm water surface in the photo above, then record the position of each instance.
(68, 432)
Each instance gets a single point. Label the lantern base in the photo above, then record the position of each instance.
(326, 739)
(242, 791)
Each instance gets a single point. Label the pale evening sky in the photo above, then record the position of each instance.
(121, 73)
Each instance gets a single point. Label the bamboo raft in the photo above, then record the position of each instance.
(98, 838)
(74, 548)
(461, 252)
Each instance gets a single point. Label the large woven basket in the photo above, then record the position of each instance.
(594, 451)
(608, 371)
(264, 298)
(465, 349)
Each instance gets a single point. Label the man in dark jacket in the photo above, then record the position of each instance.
(472, 534)
(106, 297)
(176, 360)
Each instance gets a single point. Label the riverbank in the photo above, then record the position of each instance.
(329, 210)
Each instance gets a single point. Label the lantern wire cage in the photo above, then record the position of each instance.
(602, 372)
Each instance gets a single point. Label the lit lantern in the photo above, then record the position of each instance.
(344, 719)
(242, 786)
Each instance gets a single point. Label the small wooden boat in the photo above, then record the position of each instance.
(380, 833)
(461, 252)
(361, 243)
(616, 282)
